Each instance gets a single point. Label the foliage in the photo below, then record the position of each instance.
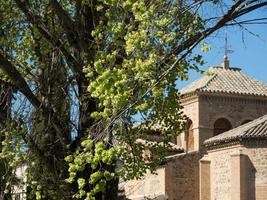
(82, 71)
(100, 175)
(11, 158)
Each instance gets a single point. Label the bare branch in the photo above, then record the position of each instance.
(67, 24)
(52, 39)
(232, 14)
(249, 9)
(11, 71)
(251, 21)
(18, 80)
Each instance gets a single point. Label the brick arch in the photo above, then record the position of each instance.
(221, 125)
(190, 135)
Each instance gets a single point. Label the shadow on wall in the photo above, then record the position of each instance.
(250, 177)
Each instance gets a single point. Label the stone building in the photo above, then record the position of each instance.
(19, 190)
(223, 99)
(235, 166)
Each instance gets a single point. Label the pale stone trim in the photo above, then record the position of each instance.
(238, 176)
(204, 178)
(239, 143)
(225, 146)
(225, 97)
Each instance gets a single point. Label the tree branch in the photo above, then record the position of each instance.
(232, 14)
(249, 9)
(11, 71)
(67, 24)
(52, 39)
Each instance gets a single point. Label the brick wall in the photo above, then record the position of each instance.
(220, 168)
(255, 169)
(151, 185)
(182, 177)
(178, 179)
(191, 110)
(205, 109)
(257, 154)
(236, 109)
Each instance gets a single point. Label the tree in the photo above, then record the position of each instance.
(6, 173)
(83, 69)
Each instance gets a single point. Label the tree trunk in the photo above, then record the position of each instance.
(5, 111)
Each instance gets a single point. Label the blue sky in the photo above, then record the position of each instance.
(250, 51)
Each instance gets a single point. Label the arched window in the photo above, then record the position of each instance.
(246, 121)
(221, 125)
(190, 136)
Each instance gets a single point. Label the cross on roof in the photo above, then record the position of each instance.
(226, 62)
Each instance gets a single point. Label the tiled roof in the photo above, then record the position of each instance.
(256, 129)
(172, 147)
(231, 81)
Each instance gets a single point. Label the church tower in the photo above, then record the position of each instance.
(223, 99)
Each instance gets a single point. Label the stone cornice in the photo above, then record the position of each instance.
(248, 142)
(189, 99)
(232, 97)
(223, 146)
(222, 97)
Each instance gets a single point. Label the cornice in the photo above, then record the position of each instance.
(248, 142)
(233, 98)
(189, 99)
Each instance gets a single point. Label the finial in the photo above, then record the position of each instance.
(226, 62)
(225, 45)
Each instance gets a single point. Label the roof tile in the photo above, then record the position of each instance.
(232, 81)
